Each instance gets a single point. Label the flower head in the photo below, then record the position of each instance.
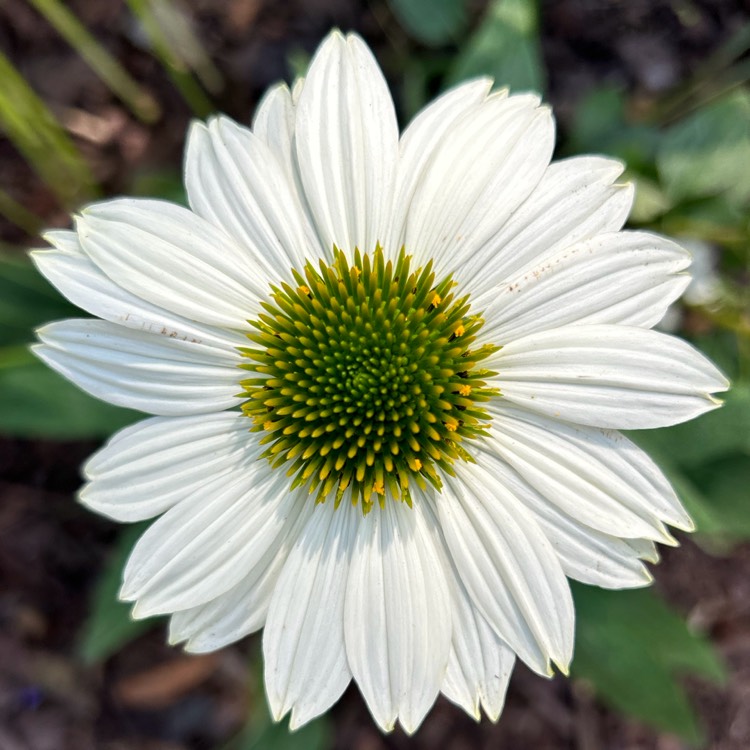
(386, 374)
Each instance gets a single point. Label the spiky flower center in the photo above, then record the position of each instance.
(365, 377)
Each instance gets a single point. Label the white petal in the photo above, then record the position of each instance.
(607, 376)
(164, 376)
(508, 567)
(347, 144)
(273, 123)
(574, 200)
(397, 615)
(150, 466)
(625, 277)
(235, 181)
(173, 258)
(243, 608)
(480, 663)
(597, 477)
(418, 145)
(585, 554)
(482, 170)
(646, 549)
(79, 279)
(210, 541)
(306, 669)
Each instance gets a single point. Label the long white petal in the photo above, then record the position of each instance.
(480, 663)
(574, 200)
(306, 668)
(598, 477)
(482, 170)
(157, 375)
(173, 258)
(397, 621)
(150, 466)
(585, 554)
(347, 145)
(210, 541)
(418, 146)
(79, 279)
(508, 567)
(236, 182)
(609, 376)
(628, 278)
(243, 608)
(274, 124)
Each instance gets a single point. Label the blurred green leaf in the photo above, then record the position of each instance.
(109, 626)
(166, 50)
(630, 646)
(505, 47)
(36, 402)
(717, 496)
(708, 153)
(106, 66)
(433, 22)
(40, 138)
(650, 201)
(312, 736)
(599, 115)
(166, 184)
(600, 124)
(26, 299)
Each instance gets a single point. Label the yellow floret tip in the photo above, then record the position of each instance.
(459, 330)
(464, 390)
(451, 426)
(302, 289)
(436, 300)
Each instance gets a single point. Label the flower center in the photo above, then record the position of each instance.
(365, 377)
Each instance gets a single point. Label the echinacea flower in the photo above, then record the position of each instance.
(386, 375)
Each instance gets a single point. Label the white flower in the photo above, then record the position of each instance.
(471, 441)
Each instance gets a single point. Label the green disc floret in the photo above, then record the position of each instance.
(364, 377)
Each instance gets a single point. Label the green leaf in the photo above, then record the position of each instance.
(166, 184)
(600, 124)
(109, 626)
(631, 647)
(433, 22)
(26, 300)
(717, 495)
(312, 736)
(37, 402)
(505, 47)
(41, 139)
(708, 152)
(650, 203)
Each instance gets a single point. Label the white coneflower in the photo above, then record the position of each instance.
(386, 374)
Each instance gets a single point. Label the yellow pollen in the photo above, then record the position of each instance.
(451, 426)
(436, 300)
(303, 289)
(459, 330)
(356, 271)
(414, 464)
(379, 488)
(464, 390)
